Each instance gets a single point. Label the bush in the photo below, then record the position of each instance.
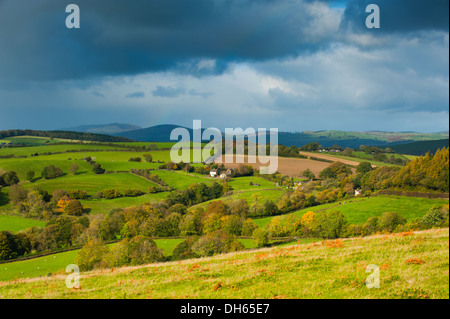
(135, 159)
(133, 193)
(154, 189)
(78, 194)
(110, 193)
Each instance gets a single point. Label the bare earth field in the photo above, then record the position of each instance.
(331, 158)
(287, 166)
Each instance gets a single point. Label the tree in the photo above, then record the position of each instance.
(110, 193)
(135, 251)
(308, 174)
(270, 208)
(148, 158)
(331, 224)
(184, 249)
(30, 175)
(13, 246)
(91, 255)
(74, 208)
(311, 147)
(98, 169)
(248, 227)
(51, 171)
(390, 220)
(261, 237)
(9, 178)
(17, 194)
(74, 169)
(364, 167)
(434, 217)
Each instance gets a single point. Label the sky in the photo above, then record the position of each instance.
(295, 65)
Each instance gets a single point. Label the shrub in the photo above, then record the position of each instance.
(78, 194)
(154, 189)
(135, 159)
(132, 193)
(110, 193)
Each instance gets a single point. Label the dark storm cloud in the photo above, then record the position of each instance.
(399, 16)
(130, 37)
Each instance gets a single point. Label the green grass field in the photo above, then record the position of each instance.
(17, 223)
(92, 183)
(414, 266)
(56, 263)
(358, 210)
(27, 151)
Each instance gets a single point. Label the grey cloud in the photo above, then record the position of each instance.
(135, 95)
(168, 91)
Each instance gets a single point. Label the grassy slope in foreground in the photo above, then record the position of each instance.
(412, 266)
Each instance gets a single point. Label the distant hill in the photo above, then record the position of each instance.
(421, 147)
(161, 133)
(158, 133)
(109, 129)
(92, 137)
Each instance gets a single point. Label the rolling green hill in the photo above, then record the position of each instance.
(421, 147)
(411, 266)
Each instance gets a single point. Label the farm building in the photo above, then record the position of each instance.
(213, 173)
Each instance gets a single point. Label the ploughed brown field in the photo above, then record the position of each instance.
(287, 166)
(331, 158)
